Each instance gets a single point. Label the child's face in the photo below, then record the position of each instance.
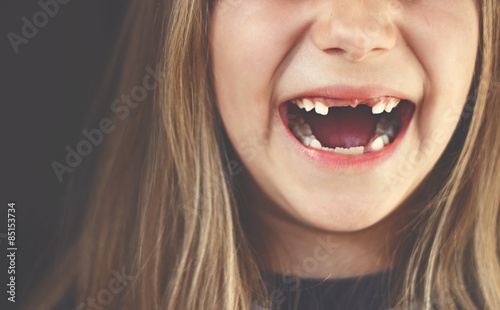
(266, 53)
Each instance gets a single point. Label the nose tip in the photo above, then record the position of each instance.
(355, 32)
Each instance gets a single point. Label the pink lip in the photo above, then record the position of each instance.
(350, 93)
(335, 161)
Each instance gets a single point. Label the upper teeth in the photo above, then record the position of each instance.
(321, 108)
(308, 104)
(378, 108)
(381, 104)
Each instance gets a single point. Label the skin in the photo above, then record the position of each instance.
(264, 51)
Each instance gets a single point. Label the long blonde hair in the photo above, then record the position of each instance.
(163, 208)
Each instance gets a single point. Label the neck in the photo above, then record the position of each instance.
(287, 246)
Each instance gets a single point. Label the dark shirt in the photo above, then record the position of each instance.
(362, 293)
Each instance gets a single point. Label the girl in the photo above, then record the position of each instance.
(305, 154)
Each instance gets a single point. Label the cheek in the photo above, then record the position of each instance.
(249, 41)
(445, 44)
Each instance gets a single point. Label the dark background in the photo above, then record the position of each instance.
(46, 90)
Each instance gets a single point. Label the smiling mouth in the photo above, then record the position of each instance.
(350, 126)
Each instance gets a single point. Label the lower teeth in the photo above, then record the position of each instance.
(384, 132)
(346, 151)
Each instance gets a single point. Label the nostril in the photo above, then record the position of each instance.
(336, 50)
(354, 34)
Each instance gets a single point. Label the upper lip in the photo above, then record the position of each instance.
(345, 94)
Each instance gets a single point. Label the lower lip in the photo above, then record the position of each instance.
(335, 161)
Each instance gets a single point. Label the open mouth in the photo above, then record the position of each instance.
(348, 126)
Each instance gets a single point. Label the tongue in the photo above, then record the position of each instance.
(343, 126)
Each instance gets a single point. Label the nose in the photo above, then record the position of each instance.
(355, 29)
